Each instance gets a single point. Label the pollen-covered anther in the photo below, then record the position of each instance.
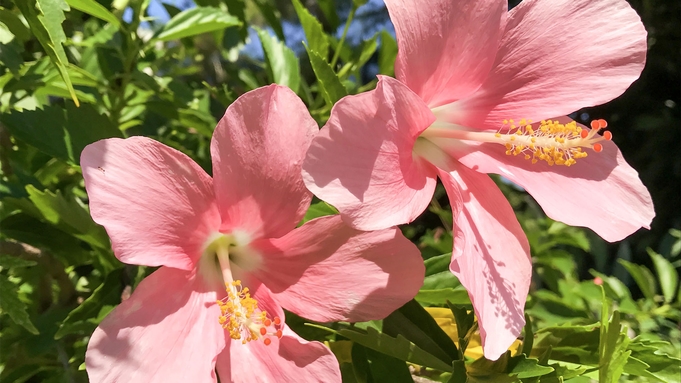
(550, 141)
(240, 315)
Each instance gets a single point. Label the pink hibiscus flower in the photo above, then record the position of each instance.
(231, 256)
(464, 70)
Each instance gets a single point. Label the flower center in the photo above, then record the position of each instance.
(239, 312)
(550, 141)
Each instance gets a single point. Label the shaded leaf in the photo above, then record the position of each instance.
(13, 306)
(398, 347)
(86, 316)
(9, 262)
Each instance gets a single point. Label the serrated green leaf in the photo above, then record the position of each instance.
(316, 38)
(93, 8)
(398, 347)
(196, 21)
(282, 63)
(69, 215)
(9, 262)
(11, 305)
(329, 83)
(45, 18)
(319, 209)
(59, 132)
(85, 317)
(642, 276)
(667, 275)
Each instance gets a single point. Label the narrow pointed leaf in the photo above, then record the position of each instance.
(93, 8)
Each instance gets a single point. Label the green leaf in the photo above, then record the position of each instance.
(69, 215)
(282, 63)
(384, 367)
(438, 276)
(458, 296)
(15, 25)
(45, 18)
(414, 323)
(667, 275)
(328, 8)
(329, 83)
(196, 21)
(398, 347)
(387, 54)
(86, 316)
(465, 321)
(642, 276)
(10, 262)
(316, 38)
(528, 335)
(11, 305)
(271, 15)
(91, 7)
(317, 210)
(59, 132)
(522, 367)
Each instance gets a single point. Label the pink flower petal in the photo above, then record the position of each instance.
(361, 162)
(167, 331)
(557, 57)
(289, 359)
(601, 192)
(156, 204)
(326, 271)
(446, 48)
(491, 257)
(257, 149)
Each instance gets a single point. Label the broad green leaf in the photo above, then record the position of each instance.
(60, 132)
(667, 275)
(438, 276)
(317, 210)
(646, 360)
(414, 323)
(69, 215)
(9, 262)
(196, 21)
(11, 305)
(398, 347)
(282, 63)
(382, 367)
(331, 87)
(642, 276)
(45, 18)
(91, 7)
(86, 316)
(387, 54)
(316, 38)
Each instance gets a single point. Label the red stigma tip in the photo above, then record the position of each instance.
(607, 135)
(263, 331)
(277, 321)
(584, 133)
(267, 341)
(267, 323)
(602, 124)
(594, 124)
(279, 334)
(598, 148)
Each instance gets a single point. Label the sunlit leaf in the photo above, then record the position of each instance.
(95, 9)
(330, 85)
(196, 21)
(667, 274)
(282, 63)
(45, 18)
